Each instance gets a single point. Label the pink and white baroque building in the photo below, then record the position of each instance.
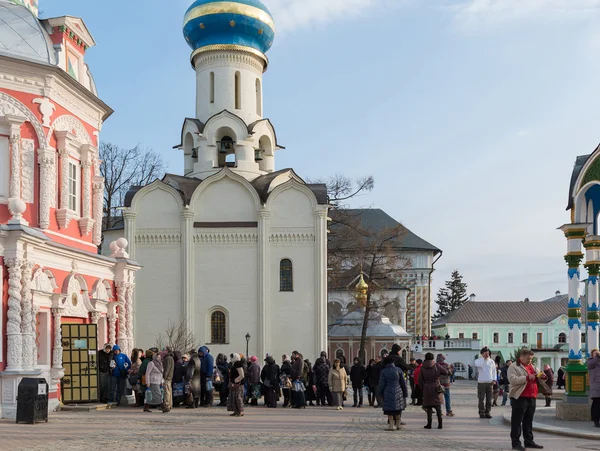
(51, 196)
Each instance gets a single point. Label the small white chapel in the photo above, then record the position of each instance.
(234, 248)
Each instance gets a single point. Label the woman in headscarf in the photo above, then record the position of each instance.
(392, 388)
(433, 392)
(223, 388)
(154, 380)
(270, 379)
(286, 379)
(236, 386)
(337, 383)
(133, 378)
(254, 381)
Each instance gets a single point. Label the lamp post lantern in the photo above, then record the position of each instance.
(247, 343)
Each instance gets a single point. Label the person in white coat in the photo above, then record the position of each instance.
(486, 378)
(154, 381)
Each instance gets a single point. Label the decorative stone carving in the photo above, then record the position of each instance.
(11, 106)
(64, 214)
(35, 310)
(130, 312)
(118, 248)
(13, 324)
(74, 304)
(292, 239)
(95, 316)
(72, 125)
(98, 193)
(86, 222)
(43, 281)
(28, 169)
(158, 237)
(46, 159)
(100, 291)
(47, 109)
(57, 370)
(15, 164)
(122, 318)
(27, 324)
(224, 239)
(112, 327)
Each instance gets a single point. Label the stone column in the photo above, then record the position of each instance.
(16, 206)
(27, 329)
(57, 369)
(86, 222)
(95, 317)
(320, 279)
(576, 369)
(122, 340)
(64, 213)
(592, 246)
(187, 265)
(14, 353)
(112, 327)
(46, 158)
(264, 270)
(130, 312)
(98, 190)
(34, 316)
(129, 218)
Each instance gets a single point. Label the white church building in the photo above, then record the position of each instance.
(232, 247)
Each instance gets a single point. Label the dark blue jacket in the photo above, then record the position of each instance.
(392, 387)
(208, 362)
(122, 363)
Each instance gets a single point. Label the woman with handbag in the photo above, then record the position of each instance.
(433, 391)
(254, 386)
(393, 391)
(136, 387)
(154, 381)
(286, 379)
(236, 386)
(337, 381)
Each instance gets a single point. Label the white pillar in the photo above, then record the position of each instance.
(130, 312)
(264, 270)
(592, 246)
(112, 327)
(98, 206)
(86, 223)
(16, 206)
(14, 352)
(64, 214)
(57, 369)
(130, 230)
(320, 275)
(27, 329)
(46, 158)
(187, 268)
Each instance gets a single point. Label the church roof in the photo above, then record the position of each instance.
(350, 325)
(579, 163)
(506, 312)
(376, 220)
(349, 277)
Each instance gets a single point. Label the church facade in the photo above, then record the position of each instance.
(60, 300)
(233, 247)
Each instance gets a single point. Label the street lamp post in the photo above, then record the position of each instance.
(247, 343)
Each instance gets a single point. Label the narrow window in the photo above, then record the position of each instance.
(286, 282)
(461, 335)
(510, 338)
(218, 327)
(212, 87)
(496, 337)
(73, 187)
(562, 337)
(258, 98)
(238, 91)
(524, 338)
(475, 336)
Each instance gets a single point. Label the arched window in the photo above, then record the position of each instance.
(258, 97)
(238, 91)
(286, 281)
(218, 327)
(212, 87)
(562, 337)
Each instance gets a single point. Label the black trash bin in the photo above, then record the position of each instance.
(32, 401)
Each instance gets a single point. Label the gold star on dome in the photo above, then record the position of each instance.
(202, 26)
(232, 23)
(261, 31)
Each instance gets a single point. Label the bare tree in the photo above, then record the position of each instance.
(354, 243)
(341, 189)
(176, 337)
(123, 168)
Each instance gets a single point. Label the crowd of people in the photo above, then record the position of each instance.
(168, 378)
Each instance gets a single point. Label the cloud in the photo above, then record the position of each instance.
(291, 15)
(486, 14)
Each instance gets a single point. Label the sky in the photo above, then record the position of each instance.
(468, 113)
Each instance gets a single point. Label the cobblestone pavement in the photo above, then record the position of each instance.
(315, 428)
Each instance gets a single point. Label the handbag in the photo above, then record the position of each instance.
(217, 377)
(439, 388)
(133, 379)
(298, 386)
(178, 390)
(209, 385)
(148, 396)
(144, 379)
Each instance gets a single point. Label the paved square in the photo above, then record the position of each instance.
(314, 428)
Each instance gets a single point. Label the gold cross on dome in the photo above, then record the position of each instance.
(232, 23)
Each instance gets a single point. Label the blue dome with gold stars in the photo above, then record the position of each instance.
(246, 23)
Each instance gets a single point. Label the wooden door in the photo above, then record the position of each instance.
(80, 347)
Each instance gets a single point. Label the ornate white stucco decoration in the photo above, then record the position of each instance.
(226, 238)
(76, 303)
(292, 238)
(118, 248)
(47, 109)
(72, 125)
(27, 169)
(158, 237)
(44, 281)
(10, 105)
(100, 291)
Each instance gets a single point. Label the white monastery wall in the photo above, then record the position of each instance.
(223, 201)
(292, 209)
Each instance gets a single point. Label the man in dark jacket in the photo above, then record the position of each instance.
(321, 371)
(377, 368)
(398, 360)
(298, 399)
(168, 368)
(412, 365)
(104, 358)
(207, 366)
(358, 374)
